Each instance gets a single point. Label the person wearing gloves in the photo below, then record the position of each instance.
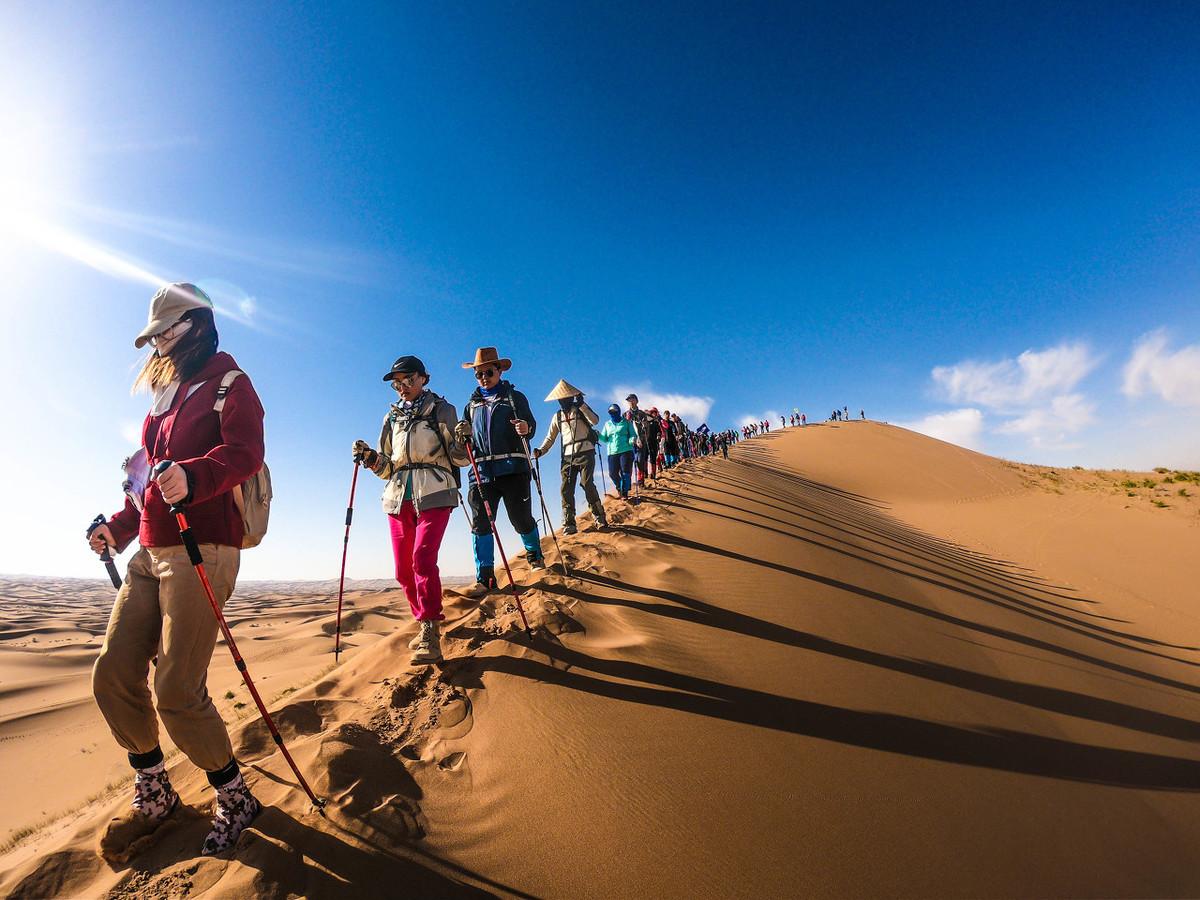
(419, 458)
(574, 421)
(162, 610)
(497, 422)
(640, 448)
(619, 438)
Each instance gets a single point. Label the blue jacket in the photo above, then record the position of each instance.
(498, 449)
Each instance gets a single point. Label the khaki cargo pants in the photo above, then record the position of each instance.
(162, 610)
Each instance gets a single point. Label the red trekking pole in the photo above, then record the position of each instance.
(337, 640)
(487, 508)
(193, 551)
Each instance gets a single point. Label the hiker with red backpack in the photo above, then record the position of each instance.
(419, 457)
(204, 436)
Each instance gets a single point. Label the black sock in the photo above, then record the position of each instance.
(223, 776)
(146, 760)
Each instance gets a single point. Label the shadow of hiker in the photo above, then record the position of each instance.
(1016, 637)
(295, 859)
(993, 748)
(1057, 700)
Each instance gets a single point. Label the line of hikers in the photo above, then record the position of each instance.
(203, 452)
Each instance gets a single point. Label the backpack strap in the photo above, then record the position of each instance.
(226, 380)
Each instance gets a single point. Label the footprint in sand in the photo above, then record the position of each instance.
(452, 762)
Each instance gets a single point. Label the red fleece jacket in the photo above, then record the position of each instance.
(218, 452)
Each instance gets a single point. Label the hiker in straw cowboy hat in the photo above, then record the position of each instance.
(574, 421)
(496, 422)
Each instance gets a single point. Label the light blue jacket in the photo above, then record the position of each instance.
(618, 437)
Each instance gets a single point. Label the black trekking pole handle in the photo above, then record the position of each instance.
(178, 510)
(105, 557)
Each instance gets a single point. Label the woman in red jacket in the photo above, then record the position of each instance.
(161, 610)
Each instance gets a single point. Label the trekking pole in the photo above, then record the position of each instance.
(337, 640)
(487, 508)
(105, 557)
(537, 480)
(193, 551)
(603, 477)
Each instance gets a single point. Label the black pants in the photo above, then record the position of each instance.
(514, 490)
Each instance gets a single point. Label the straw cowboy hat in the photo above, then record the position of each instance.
(487, 356)
(562, 391)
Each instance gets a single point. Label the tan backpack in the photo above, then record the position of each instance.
(252, 496)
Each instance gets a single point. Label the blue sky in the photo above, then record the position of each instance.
(981, 221)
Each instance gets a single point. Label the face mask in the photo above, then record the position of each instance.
(615, 416)
(170, 337)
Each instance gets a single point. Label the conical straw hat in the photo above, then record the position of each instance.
(562, 391)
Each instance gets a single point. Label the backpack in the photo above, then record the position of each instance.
(432, 422)
(253, 496)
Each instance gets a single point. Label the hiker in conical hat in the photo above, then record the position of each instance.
(162, 610)
(419, 458)
(575, 422)
(497, 421)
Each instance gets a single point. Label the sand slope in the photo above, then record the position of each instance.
(849, 661)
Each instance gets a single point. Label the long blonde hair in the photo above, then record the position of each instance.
(185, 359)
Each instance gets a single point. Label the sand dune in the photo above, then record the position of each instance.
(849, 661)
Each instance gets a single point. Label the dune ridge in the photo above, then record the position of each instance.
(848, 661)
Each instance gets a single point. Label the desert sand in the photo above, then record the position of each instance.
(849, 661)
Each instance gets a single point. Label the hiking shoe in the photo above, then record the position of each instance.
(537, 561)
(484, 586)
(569, 528)
(130, 832)
(236, 808)
(153, 795)
(429, 643)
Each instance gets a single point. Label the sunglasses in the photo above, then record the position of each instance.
(404, 382)
(163, 336)
(481, 374)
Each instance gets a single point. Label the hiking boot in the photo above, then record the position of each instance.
(599, 516)
(570, 528)
(429, 643)
(536, 561)
(484, 586)
(236, 808)
(153, 795)
(153, 802)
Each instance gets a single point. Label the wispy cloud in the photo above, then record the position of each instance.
(308, 258)
(692, 409)
(145, 145)
(749, 419)
(963, 427)
(1050, 424)
(1174, 376)
(1013, 383)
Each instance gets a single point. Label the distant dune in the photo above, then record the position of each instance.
(849, 661)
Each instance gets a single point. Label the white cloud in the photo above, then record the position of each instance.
(1048, 424)
(692, 409)
(131, 433)
(1009, 384)
(771, 415)
(963, 427)
(1173, 376)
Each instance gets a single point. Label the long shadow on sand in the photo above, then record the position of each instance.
(1016, 637)
(1071, 703)
(992, 748)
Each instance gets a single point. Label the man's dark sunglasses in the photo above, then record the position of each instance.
(481, 374)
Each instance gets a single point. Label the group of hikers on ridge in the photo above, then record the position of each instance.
(195, 496)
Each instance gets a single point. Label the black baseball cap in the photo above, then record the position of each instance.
(631, 397)
(406, 365)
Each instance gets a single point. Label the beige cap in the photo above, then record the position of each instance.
(168, 306)
(562, 391)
